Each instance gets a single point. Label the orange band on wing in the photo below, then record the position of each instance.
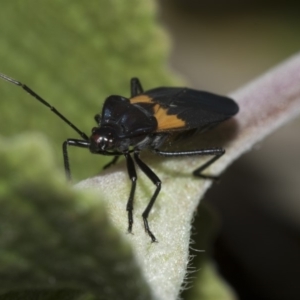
(165, 121)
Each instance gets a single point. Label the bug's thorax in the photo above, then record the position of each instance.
(120, 126)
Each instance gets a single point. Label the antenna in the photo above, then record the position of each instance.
(40, 99)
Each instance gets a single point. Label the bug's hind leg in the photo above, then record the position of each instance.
(136, 87)
(217, 152)
(198, 171)
(153, 177)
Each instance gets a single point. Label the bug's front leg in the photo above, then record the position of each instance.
(112, 162)
(133, 178)
(75, 143)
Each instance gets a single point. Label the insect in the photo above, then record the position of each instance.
(127, 126)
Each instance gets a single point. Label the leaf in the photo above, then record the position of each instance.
(56, 242)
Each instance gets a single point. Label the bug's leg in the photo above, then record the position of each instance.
(198, 171)
(153, 177)
(136, 87)
(98, 118)
(133, 178)
(112, 162)
(75, 143)
(217, 152)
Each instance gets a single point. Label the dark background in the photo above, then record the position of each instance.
(220, 46)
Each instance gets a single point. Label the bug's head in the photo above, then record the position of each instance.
(103, 139)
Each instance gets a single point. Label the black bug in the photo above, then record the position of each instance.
(146, 120)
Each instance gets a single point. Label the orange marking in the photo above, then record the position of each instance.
(165, 121)
(141, 99)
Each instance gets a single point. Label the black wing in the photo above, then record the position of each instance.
(184, 108)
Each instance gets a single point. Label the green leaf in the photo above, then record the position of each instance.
(207, 283)
(57, 243)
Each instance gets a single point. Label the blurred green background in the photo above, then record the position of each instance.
(75, 54)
